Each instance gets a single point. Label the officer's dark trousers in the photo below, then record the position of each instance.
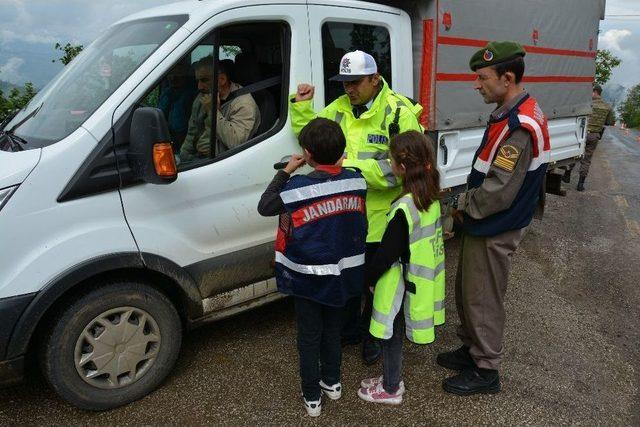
(481, 285)
(357, 317)
(318, 345)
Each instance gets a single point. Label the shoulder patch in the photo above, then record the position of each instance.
(507, 158)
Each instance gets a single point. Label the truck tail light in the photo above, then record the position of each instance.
(164, 161)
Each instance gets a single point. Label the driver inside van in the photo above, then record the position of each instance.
(237, 119)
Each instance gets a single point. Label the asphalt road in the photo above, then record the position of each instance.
(572, 338)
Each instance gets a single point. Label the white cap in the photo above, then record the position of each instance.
(355, 65)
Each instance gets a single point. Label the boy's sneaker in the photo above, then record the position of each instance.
(372, 382)
(313, 407)
(333, 392)
(377, 394)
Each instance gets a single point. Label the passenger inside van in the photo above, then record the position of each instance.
(177, 94)
(237, 119)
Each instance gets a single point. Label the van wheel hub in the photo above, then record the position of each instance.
(117, 347)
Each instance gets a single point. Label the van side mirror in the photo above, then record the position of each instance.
(150, 152)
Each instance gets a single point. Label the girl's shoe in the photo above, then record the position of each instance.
(372, 382)
(333, 392)
(377, 394)
(313, 407)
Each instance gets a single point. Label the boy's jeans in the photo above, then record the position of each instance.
(318, 345)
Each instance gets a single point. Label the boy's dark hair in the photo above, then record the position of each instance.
(515, 65)
(323, 138)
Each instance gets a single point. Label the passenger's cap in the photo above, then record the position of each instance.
(355, 65)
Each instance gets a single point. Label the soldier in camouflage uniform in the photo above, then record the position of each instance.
(601, 116)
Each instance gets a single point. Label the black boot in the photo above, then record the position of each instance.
(580, 186)
(567, 176)
(371, 350)
(473, 381)
(457, 359)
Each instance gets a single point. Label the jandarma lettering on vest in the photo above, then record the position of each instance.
(327, 207)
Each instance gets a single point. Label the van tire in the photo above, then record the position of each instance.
(153, 327)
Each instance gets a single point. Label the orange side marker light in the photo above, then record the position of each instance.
(164, 161)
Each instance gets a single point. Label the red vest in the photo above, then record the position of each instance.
(531, 118)
(526, 115)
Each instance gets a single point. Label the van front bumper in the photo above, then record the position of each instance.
(11, 309)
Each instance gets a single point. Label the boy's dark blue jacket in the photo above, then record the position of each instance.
(321, 235)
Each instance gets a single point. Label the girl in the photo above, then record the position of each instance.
(408, 268)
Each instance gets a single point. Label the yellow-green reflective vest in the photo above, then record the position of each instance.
(367, 144)
(424, 308)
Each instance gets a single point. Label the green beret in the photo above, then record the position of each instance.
(495, 53)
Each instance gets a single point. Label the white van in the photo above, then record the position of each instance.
(104, 262)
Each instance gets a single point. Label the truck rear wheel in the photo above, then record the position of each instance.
(111, 346)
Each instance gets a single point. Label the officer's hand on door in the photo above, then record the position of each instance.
(305, 92)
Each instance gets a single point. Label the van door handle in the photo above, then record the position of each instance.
(282, 163)
(445, 150)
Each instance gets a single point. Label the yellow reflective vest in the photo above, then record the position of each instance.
(367, 144)
(420, 283)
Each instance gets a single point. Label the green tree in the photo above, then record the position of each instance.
(629, 110)
(605, 63)
(69, 52)
(4, 106)
(15, 100)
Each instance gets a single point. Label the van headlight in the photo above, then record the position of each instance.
(5, 195)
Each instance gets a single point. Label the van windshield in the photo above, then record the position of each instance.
(83, 85)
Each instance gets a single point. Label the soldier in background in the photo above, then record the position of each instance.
(601, 116)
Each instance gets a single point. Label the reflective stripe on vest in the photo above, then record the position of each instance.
(385, 167)
(382, 158)
(387, 111)
(321, 270)
(323, 189)
(378, 155)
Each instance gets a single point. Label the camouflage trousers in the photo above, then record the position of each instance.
(585, 162)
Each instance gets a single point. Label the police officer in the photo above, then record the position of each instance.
(601, 116)
(503, 190)
(368, 113)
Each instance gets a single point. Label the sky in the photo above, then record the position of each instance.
(30, 28)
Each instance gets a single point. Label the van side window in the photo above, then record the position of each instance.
(251, 63)
(339, 38)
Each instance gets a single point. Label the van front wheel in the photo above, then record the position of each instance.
(111, 346)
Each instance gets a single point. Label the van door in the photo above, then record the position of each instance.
(206, 221)
(384, 32)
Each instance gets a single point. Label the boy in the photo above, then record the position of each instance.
(319, 251)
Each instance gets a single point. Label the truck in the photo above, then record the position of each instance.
(110, 252)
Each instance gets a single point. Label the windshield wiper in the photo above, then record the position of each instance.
(15, 140)
(27, 117)
(6, 121)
